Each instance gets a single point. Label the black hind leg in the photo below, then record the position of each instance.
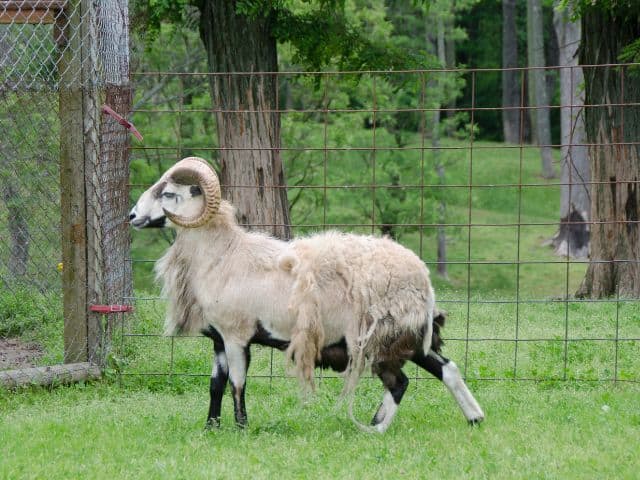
(395, 383)
(447, 371)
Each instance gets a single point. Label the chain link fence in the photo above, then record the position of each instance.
(63, 172)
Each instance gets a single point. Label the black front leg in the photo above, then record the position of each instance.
(238, 357)
(218, 383)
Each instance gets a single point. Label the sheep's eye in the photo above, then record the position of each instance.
(168, 195)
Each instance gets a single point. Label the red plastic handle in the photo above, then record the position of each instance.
(111, 308)
(122, 121)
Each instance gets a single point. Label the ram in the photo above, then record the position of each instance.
(330, 300)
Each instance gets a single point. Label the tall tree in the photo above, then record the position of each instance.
(537, 86)
(613, 132)
(248, 124)
(510, 78)
(241, 38)
(436, 37)
(572, 237)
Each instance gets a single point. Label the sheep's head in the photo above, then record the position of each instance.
(187, 195)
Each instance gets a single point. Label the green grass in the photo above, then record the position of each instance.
(532, 431)
(151, 426)
(591, 352)
(147, 422)
(34, 316)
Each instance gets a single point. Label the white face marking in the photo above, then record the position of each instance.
(387, 411)
(165, 195)
(453, 380)
(179, 199)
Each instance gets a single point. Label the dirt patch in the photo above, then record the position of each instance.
(15, 353)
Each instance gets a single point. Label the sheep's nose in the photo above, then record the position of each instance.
(132, 215)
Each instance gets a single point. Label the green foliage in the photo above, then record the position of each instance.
(28, 313)
(321, 33)
(31, 59)
(149, 15)
(623, 8)
(631, 53)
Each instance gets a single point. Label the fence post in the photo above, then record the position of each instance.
(112, 168)
(94, 174)
(92, 88)
(72, 189)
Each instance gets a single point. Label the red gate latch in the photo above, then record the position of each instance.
(106, 309)
(122, 121)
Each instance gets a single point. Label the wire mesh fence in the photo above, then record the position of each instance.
(381, 153)
(384, 153)
(64, 173)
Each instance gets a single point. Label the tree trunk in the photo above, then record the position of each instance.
(538, 86)
(18, 230)
(439, 46)
(450, 62)
(572, 238)
(17, 225)
(510, 80)
(113, 169)
(251, 169)
(615, 205)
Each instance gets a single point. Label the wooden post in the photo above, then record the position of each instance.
(72, 191)
(94, 173)
(92, 98)
(94, 160)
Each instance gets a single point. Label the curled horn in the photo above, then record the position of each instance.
(196, 171)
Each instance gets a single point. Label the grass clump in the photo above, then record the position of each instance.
(33, 316)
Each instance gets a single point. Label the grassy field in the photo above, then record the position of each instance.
(506, 322)
(533, 430)
(601, 343)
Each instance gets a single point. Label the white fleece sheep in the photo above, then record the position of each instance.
(368, 290)
(307, 295)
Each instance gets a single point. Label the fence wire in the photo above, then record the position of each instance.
(63, 174)
(41, 43)
(367, 152)
(404, 165)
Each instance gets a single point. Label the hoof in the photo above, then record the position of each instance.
(212, 424)
(475, 421)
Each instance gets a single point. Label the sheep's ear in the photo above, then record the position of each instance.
(287, 262)
(195, 191)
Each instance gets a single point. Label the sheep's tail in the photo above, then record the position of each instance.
(365, 428)
(306, 343)
(356, 366)
(427, 337)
